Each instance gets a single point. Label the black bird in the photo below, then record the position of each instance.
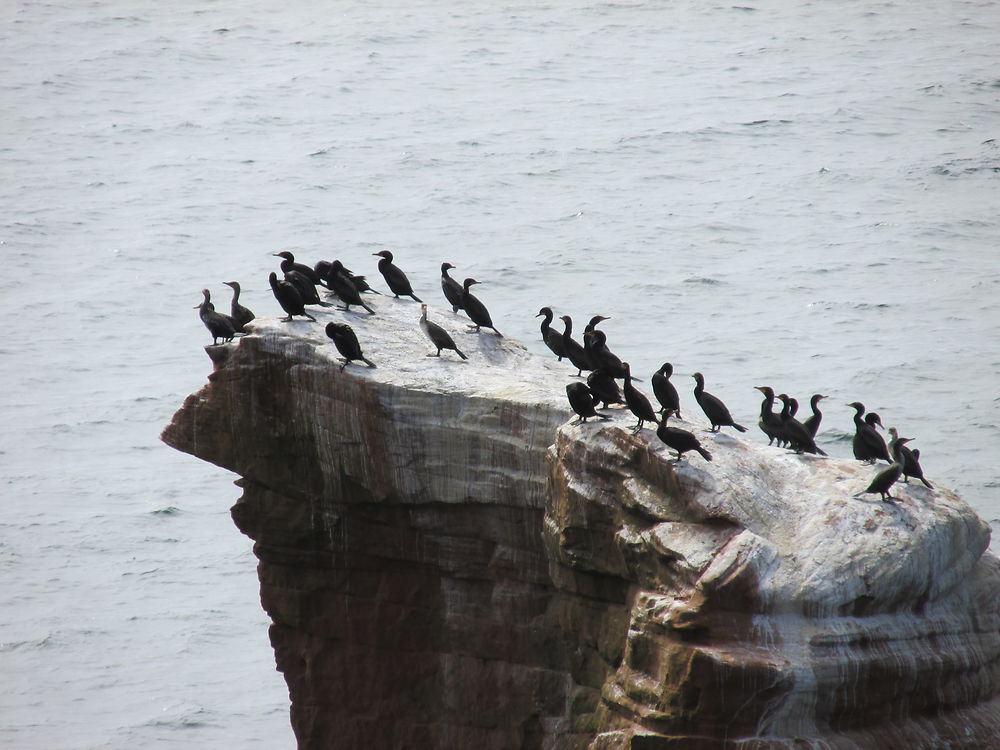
(240, 315)
(219, 325)
(438, 336)
(602, 358)
(302, 268)
(680, 440)
(604, 388)
(582, 402)
(288, 297)
(812, 422)
(867, 444)
(795, 434)
(347, 343)
(302, 281)
(324, 268)
(451, 288)
(394, 276)
(769, 422)
(551, 337)
(574, 351)
(664, 390)
(343, 286)
(476, 310)
(910, 461)
(636, 401)
(587, 342)
(873, 420)
(713, 407)
(883, 481)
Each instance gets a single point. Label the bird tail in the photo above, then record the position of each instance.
(417, 298)
(368, 362)
(741, 428)
(367, 308)
(459, 352)
(309, 316)
(704, 453)
(926, 482)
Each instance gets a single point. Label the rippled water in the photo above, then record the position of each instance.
(803, 195)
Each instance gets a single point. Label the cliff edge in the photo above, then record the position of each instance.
(448, 564)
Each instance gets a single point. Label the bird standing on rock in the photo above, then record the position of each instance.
(289, 264)
(664, 390)
(288, 297)
(451, 288)
(636, 401)
(394, 276)
(344, 287)
(910, 460)
(883, 481)
(219, 325)
(812, 422)
(551, 337)
(713, 407)
(240, 315)
(581, 400)
(438, 336)
(476, 310)
(604, 388)
(769, 422)
(794, 433)
(347, 343)
(868, 445)
(574, 351)
(680, 440)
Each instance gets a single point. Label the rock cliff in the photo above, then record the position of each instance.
(448, 564)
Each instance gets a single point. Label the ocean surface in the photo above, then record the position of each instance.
(790, 193)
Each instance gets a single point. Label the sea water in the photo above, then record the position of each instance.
(795, 194)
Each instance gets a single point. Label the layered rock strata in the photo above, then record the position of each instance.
(447, 564)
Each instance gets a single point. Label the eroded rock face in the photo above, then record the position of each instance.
(446, 566)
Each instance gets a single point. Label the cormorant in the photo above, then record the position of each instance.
(794, 433)
(713, 407)
(288, 297)
(394, 276)
(582, 402)
(769, 422)
(911, 462)
(636, 401)
(551, 337)
(219, 325)
(680, 440)
(240, 315)
(310, 273)
(604, 388)
(811, 423)
(574, 352)
(343, 286)
(476, 310)
(663, 389)
(867, 444)
(438, 336)
(451, 288)
(347, 343)
(601, 358)
(884, 480)
(302, 281)
(587, 342)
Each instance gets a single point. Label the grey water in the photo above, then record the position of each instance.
(797, 194)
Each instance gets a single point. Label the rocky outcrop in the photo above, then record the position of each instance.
(447, 564)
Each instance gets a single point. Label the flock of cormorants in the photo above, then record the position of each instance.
(298, 288)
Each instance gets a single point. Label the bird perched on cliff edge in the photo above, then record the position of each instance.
(438, 336)
(219, 325)
(713, 407)
(451, 288)
(288, 297)
(551, 337)
(240, 315)
(581, 400)
(680, 440)
(394, 276)
(476, 310)
(347, 344)
(636, 400)
(883, 481)
(664, 390)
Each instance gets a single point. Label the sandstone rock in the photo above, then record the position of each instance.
(448, 564)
